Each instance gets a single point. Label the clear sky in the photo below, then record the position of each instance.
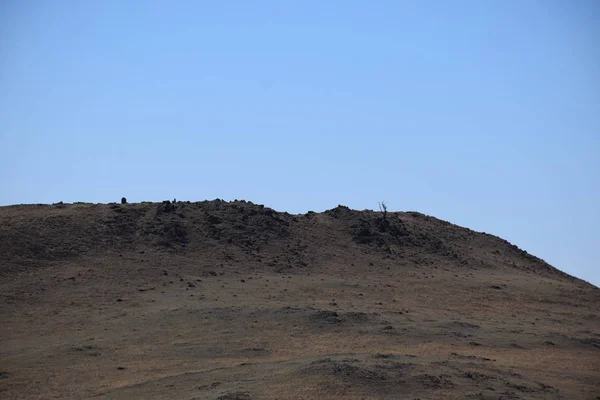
(483, 113)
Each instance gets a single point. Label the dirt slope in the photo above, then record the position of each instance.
(232, 300)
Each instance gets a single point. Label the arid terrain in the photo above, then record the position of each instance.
(233, 300)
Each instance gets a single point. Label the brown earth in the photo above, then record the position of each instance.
(232, 300)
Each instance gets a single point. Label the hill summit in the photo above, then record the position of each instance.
(234, 300)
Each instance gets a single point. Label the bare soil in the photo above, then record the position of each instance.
(233, 300)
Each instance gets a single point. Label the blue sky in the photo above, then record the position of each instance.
(483, 113)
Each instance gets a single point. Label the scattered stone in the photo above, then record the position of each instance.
(235, 396)
(208, 387)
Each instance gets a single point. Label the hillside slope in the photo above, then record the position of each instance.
(225, 300)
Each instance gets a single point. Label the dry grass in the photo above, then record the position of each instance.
(351, 323)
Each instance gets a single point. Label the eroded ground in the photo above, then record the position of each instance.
(172, 331)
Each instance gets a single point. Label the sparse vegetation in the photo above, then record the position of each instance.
(394, 307)
(383, 209)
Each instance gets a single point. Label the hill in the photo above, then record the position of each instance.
(233, 300)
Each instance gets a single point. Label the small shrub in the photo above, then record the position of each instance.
(123, 200)
(383, 209)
